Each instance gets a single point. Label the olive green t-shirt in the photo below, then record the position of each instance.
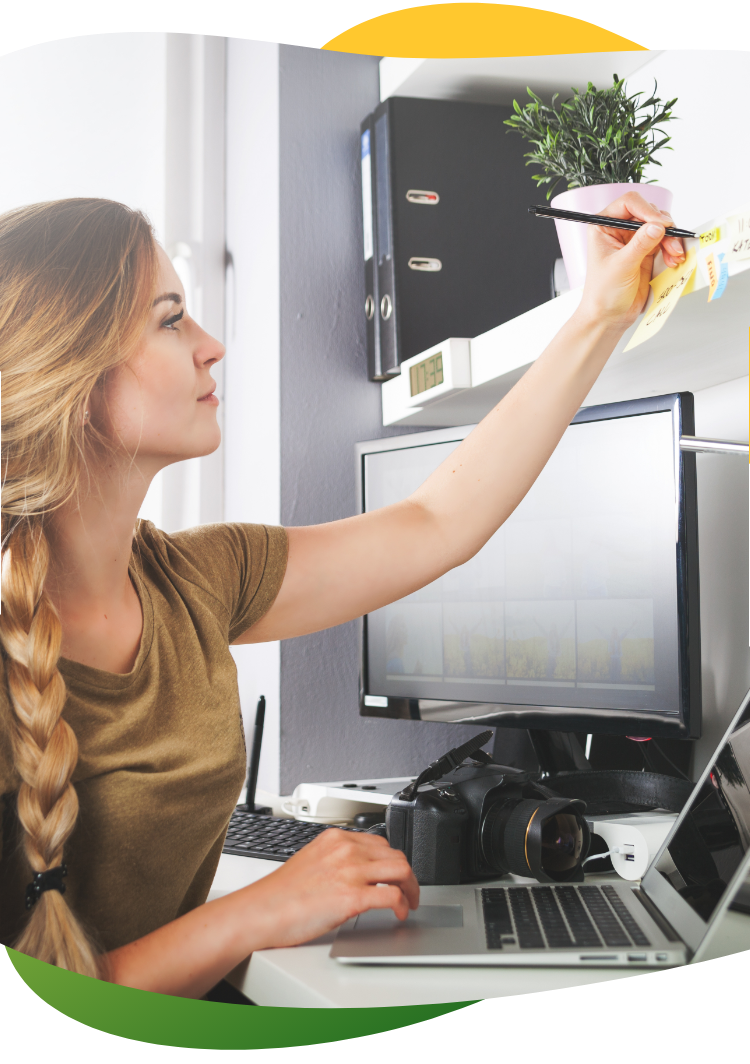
(161, 748)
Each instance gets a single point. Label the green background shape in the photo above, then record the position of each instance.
(184, 1022)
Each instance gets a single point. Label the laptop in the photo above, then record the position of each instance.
(667, 920)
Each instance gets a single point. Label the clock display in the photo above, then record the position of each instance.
(426, 374)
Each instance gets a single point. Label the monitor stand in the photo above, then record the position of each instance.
(538, 749)
(554, 751)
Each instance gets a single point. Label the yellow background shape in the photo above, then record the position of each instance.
(442, 31)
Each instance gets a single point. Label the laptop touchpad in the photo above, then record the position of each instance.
(425, 917)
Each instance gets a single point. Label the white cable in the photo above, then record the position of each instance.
(599, 856)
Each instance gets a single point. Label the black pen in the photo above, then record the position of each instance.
(601, 219)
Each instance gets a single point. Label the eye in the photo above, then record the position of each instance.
(169, 323)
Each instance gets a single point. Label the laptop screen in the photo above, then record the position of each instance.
(712, 838)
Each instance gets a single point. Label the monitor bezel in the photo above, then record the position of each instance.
(687, 723)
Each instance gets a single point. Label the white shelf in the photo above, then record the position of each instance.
(701, 345)
(500, 80)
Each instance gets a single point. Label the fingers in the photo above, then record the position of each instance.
(634, 205)
(368, 859)
(396, 873)
(385, 897)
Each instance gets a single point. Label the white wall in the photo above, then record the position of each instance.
(708, 168)
(85, 117)
(707, 171)
(135, 117)
(722, 413)
(252, 472)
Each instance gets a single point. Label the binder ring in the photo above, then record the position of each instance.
(386, 307)
(369, 308)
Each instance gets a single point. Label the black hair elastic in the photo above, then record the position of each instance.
(52, 879)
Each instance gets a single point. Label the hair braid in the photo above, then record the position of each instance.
(45, 747)
(77, 279)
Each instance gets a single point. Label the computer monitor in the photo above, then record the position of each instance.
(580, 614)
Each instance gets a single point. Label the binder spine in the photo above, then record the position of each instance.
(387, 307)
(369, 224)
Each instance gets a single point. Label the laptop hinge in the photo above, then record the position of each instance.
(664, 926)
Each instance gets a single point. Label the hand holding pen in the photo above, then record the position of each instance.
(620, 261)
(620, 218)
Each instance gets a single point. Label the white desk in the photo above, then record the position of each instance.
(306, 977)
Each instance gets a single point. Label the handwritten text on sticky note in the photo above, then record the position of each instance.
(709, 237)
(718, 272)
(667, 287)
(738, 230)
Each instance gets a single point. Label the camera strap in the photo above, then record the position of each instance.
(621, 791)
(446, 764)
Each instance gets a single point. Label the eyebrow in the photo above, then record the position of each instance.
(168, 297)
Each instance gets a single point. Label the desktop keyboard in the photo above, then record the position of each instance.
(271, 838)
(558, 917)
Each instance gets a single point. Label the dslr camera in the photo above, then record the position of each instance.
(459, 822)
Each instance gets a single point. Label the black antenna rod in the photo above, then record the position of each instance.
(249, 806)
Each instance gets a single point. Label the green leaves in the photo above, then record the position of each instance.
(594, 137)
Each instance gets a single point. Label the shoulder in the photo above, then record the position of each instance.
(207, 550)
(241, 565)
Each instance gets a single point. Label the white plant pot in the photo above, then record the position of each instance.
(593, 199)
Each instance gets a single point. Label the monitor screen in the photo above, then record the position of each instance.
(580, 613)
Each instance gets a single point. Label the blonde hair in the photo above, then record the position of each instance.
(77, 280)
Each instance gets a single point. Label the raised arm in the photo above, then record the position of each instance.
(344, 569)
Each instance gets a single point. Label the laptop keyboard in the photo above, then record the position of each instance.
(558, 917)
(269, 838)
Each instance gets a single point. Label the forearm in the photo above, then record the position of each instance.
(336, 876)
(491, 471)
(188, 956)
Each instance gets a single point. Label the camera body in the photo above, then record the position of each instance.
(481, 821)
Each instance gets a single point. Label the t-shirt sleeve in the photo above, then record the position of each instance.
(242, 565)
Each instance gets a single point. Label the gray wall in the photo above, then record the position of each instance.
(327, 405)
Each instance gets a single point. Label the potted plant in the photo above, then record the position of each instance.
(598, 144)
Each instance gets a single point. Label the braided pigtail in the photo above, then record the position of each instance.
(77, 281)
(45, 747)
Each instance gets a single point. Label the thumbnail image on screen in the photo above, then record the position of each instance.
(572, 603)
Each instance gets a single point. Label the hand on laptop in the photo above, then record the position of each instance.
(336, 876)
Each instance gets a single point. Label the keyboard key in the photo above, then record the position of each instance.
(606, 921)
(551, 918)
(581, 927)
(628, 920)
(497, 921)
(272, 838)
(528, 932)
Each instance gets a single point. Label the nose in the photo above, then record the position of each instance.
(208, 350)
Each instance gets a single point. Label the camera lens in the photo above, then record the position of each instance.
(562, 842)
(546, 840)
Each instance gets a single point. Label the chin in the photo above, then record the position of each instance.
(209, 447)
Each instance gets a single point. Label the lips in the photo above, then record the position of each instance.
(209, 396)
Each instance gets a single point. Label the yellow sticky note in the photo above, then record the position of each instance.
(738, 231)
(667, 289)
(709, 237)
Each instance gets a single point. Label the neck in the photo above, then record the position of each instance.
(91, 541)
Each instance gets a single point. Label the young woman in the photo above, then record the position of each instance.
(121, 752)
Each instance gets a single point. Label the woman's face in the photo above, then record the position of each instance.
(160, 404)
